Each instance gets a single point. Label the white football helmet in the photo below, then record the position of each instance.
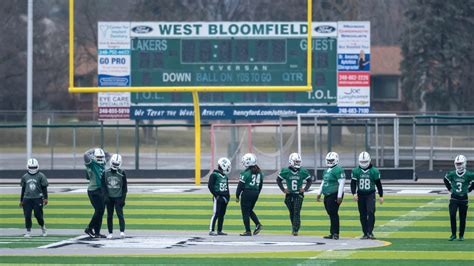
(99, 155)
(225, 165)
(460, 163)
(32, 166)
(295, 160)
(364, 160)
(115, 161)
(332, 159)
(249, 159)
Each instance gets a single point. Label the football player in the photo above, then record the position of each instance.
(364, 179)
(34, 195)
(94, 160)
(114, 186)
(250, 185)
(294, 176)
(460, 183)
(332, 187)
(219, 187)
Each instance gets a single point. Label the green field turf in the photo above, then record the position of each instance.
(416, 226)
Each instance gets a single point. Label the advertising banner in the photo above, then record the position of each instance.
(352, 79)
(353, 97)
(114, 69)
(353, 66)
(211, 112)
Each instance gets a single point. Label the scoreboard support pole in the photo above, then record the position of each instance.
(197, 139)
(193, 89)
(309, 51)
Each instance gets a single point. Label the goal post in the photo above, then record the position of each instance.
(308, 87)
(357, 132)
(270, 142)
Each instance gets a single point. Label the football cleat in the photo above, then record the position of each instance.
(246, 233)
(364, 237)
(221, 234)
(258, 228)
(335, 236)
(329, 237)
(27, 234)
(461, 238)
(89, 232)
(371, 236)
(99, 236)
(294, 233)
(110, 236)
(122, 234)
(44, 231)
(212, 233)
(452, 237)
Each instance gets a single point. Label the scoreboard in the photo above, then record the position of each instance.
(237, 54)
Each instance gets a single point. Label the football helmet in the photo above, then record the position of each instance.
(32, 166)
(295, 160)
(460, 163)
(332, 159)
(249, 159)
(99, 155)
(364, 160)
(115, 161)
(225, 165)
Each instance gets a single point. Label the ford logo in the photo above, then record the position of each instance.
(325, 29)
(142, 29)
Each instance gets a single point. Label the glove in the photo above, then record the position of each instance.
(339, 201)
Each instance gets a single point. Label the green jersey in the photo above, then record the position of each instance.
(365, 179)
(94, 172)
(331, 177)
(115, 182)
(251, 181)
(221, 184)
(294, 180)
(33, 185)
(460, 183)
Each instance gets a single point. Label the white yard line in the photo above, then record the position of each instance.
(396, 224)
(67, 241)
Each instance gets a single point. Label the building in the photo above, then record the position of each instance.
(386, 93)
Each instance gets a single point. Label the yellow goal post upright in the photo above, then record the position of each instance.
(193, 89)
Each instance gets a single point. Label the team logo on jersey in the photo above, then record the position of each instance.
(113, 182)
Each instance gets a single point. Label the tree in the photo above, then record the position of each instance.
(437, 50)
